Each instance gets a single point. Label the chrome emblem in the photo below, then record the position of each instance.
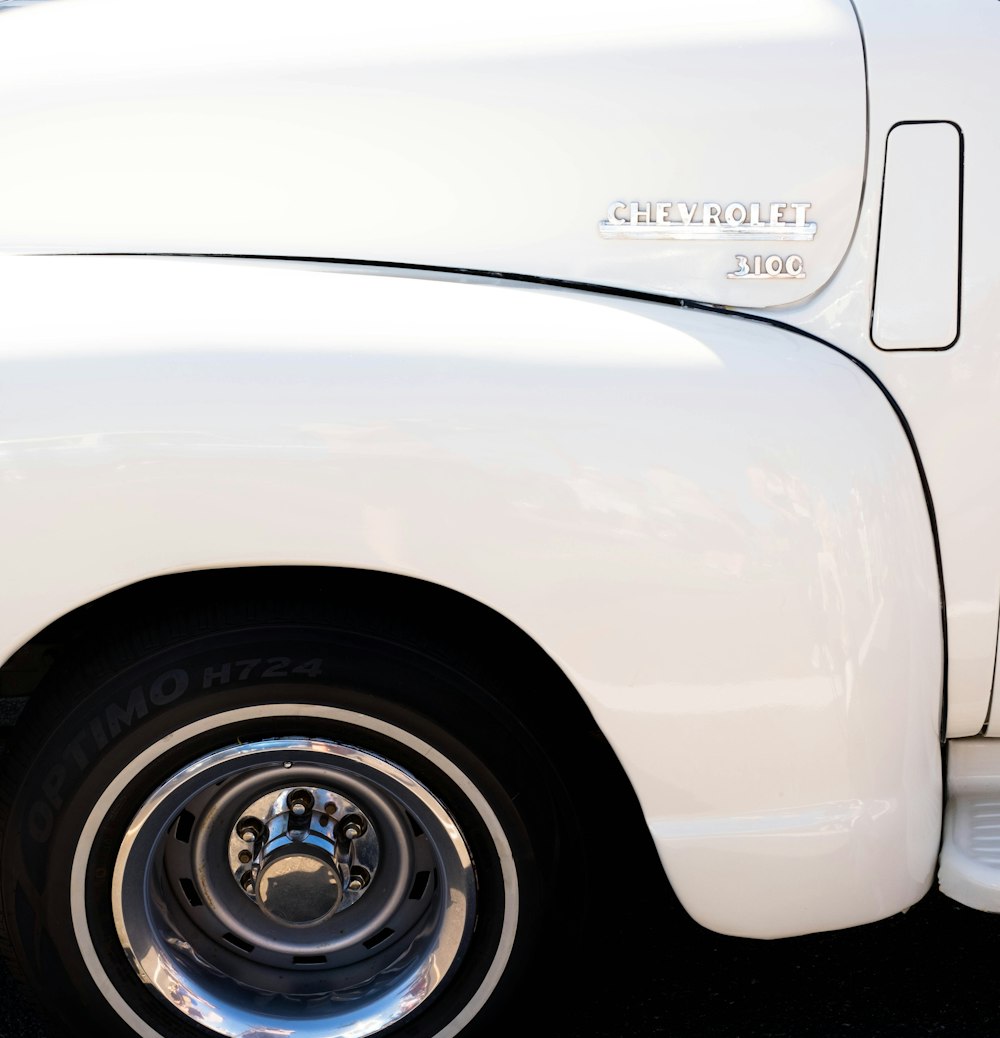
(709, 221)
(760, 267)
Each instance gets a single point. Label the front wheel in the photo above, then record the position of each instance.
(277, 828)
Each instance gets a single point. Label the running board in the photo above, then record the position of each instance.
(969, 869)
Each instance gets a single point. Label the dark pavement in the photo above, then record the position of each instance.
(929, 972)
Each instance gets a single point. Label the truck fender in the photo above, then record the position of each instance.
(716, 526)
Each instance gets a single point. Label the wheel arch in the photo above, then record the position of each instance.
(459, 627)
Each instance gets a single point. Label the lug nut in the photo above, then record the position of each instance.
(359, 879)
(352, 827)
(246, 857)
(300, 802)
(249, 829)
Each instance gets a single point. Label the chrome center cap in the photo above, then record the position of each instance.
(299, 885)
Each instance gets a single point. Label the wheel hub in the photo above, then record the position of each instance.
(303, 854)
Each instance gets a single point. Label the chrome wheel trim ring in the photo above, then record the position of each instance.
(327, 1028)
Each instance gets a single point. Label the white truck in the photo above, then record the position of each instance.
(432, 435)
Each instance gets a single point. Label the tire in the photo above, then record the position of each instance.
(268, 823)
